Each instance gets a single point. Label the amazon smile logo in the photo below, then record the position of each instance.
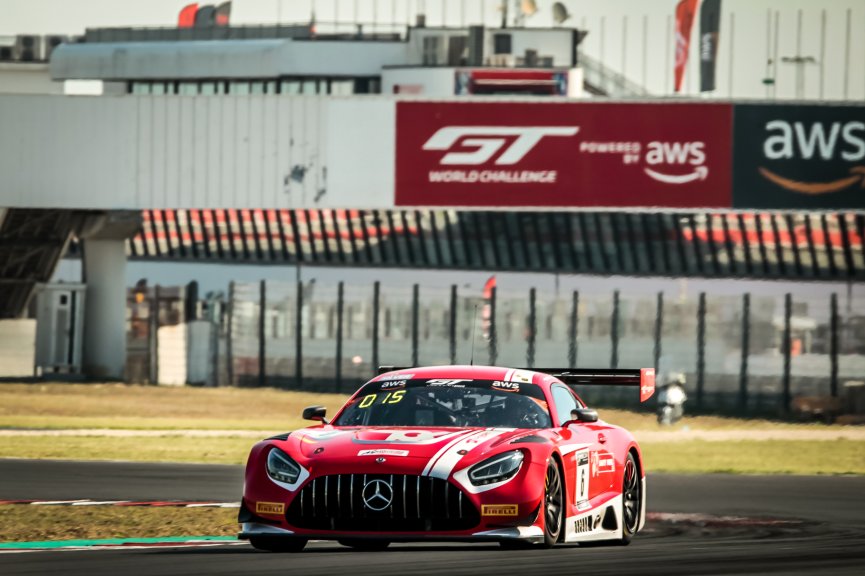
(664, 156)
(815, 141)
(857, 175)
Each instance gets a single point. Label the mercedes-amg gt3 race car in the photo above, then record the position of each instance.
(471, 453)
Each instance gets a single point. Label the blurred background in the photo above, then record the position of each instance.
(249, 193)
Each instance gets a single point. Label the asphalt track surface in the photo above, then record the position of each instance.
(824, 532)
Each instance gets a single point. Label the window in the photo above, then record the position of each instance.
(290, 87)
(431, 50)
(501, 43)
(239, 88)
(188, 88)
(140, 88)
(341, 87)
(565, 402)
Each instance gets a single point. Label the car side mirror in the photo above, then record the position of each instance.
(585, 415)
(315, 413)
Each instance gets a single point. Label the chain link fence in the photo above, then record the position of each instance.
(743, 354)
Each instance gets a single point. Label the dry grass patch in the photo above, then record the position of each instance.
(648, 421)
(220, 450)
(155, 407)
(756, 457)
(22, 523)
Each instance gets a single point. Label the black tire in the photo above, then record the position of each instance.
(553, 505)
(365, 545)
(277, 544)
(632, 499)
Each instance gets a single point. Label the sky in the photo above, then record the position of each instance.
(621, 32)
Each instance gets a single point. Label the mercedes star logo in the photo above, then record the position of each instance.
(377, 495)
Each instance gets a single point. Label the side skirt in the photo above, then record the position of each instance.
(589, 526)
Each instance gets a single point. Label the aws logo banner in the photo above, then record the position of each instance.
(563, 154)
(799, 157)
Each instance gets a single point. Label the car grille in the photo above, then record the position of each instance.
(418, 504)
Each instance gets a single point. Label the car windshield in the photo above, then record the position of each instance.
(447, 402)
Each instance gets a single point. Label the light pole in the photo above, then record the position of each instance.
(800, 62)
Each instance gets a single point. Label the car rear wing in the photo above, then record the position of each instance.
(642, 377)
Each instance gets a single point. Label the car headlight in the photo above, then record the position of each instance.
(496, 469)
(281, 467)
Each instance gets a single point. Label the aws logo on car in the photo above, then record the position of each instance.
(815, 141)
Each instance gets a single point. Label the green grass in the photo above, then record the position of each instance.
(756, 457)
(166, 408)
(220, 450)
(119, 406)
(155, 407)
(21, 523)
(738, 457)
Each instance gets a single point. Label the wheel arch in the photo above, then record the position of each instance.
(634, 450)
(638, 459)
(560, 464)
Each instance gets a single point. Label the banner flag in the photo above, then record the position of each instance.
(685, 11)
(186, 18)
(710, 18)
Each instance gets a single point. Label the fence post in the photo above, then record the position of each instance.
(298, 336)
(532, 328)
(453, 324)
(376, 302)
(833, 344)
(262, 321)
(701, 348)
(746, 345)
(415, 305)
(229, 336)
(572, 330)
(339, 305)
(216, 323)
(659, 329)
(788, 312)
(154, 336)
(492, 333)
(614, 331)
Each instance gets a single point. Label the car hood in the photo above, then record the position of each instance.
(427, 450)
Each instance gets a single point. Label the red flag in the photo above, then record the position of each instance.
(685, 12)
(487, 310)
(186, 18)
(488, 287)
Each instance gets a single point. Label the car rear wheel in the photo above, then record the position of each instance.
(277, 544)
(632, 499)
(365, 545)
(554, 505)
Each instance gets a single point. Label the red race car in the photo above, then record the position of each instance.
(472, 453)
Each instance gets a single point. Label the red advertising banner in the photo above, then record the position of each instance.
(685, 12)
(563, 154)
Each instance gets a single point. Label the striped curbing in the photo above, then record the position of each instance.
(118, 543)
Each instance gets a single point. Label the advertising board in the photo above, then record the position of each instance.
(795, 156)
(563, 154)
